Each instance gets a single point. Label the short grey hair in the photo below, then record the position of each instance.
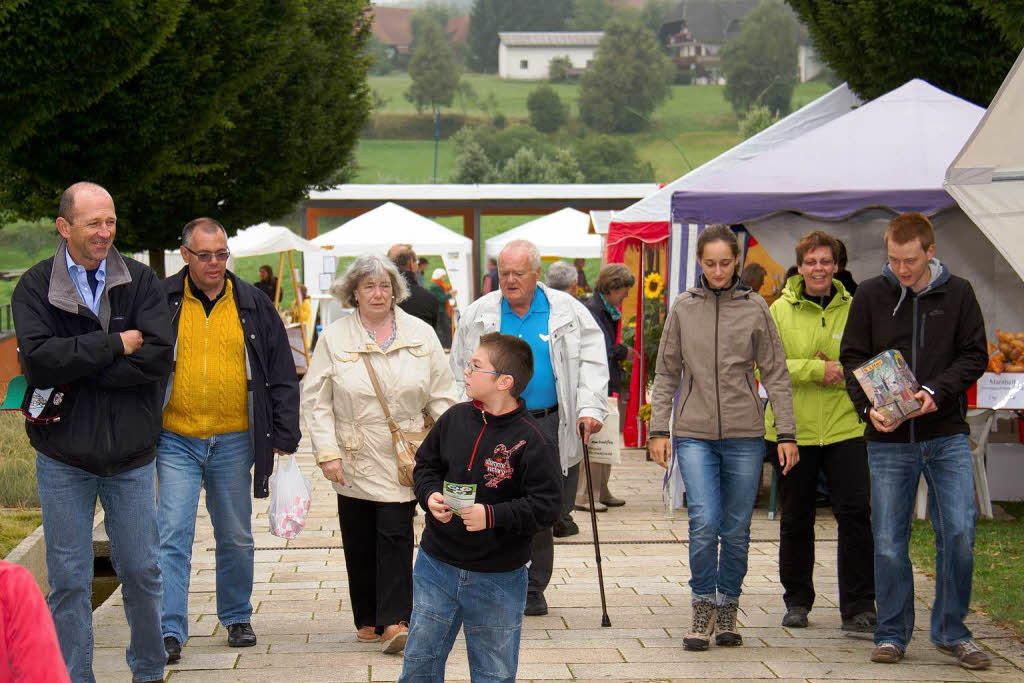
(562, 276)
(204, 224)
(529, 246)
(368, 265)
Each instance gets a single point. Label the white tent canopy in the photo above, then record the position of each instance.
(267, 239)
(655, 207)
(390, 224)
(987, 177)
(565, 234)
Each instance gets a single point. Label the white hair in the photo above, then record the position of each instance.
(368, 265)
(562, 276)
(529, 246)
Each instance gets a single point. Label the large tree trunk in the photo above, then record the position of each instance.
(156, 262)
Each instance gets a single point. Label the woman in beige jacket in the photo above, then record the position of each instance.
(714, 335)
(353, 445)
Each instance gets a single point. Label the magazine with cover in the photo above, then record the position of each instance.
(890, 385)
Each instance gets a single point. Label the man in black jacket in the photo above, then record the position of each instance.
(421, 303)
(93, 326)
(232, 403)
(932, 317)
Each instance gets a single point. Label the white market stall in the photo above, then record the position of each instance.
(262, 239)
(390, 224)
(563, 234)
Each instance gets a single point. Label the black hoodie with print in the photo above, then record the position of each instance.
(941, 334)
(518, 479)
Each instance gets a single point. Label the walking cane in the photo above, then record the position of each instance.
(605, 621)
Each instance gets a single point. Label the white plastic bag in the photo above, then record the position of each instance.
(290, 496)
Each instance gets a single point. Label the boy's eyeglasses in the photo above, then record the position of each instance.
(470, 368)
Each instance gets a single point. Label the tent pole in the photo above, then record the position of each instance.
(298, 304)
(277, 289)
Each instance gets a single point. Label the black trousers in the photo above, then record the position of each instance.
(542, 552)
(378, 542)
(845, 465)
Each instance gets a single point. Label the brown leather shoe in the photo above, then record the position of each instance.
(968, 654)
(367, 634)
(392, 641)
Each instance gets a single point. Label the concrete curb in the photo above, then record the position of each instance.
(31, 552)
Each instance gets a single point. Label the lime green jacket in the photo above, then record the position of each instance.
(824, 415)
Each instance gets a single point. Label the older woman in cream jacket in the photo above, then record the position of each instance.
(353, 445)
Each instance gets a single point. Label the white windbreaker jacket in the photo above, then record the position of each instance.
(577, 352)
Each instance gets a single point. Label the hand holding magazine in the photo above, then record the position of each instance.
(890, 386)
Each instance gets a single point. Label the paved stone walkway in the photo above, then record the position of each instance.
(305, 629)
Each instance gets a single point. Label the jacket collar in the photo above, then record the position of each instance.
(940, 276)
(735, 290)
(793, 293)
(559, 314)
(505, 418)
(62, 292)
(354, 339)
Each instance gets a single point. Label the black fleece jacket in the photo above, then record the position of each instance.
(941, 334)
(518, 477)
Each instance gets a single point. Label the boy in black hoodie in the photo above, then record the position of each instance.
(490, 480)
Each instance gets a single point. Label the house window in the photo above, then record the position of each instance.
(524, 64)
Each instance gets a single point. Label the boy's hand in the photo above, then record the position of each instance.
(475, 517)
(439, 508)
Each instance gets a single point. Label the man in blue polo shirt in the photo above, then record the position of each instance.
(570, 376)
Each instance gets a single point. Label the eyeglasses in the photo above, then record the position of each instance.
(470, 368)
(207, 256)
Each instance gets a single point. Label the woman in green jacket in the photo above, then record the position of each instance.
(811, 315)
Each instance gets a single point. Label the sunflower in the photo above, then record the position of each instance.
(644, 412)
(654, 286)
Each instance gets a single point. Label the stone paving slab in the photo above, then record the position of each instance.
(304, 622)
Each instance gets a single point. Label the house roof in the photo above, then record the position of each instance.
(457, 29)
(551, 38)
(713, 22)
(393, 26)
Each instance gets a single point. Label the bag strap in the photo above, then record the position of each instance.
(392, 425)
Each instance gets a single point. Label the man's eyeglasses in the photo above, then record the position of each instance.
(207, 256)
(470, 368)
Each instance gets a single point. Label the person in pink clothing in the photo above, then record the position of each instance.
(28, 641)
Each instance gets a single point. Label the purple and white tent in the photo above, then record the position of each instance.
(849, 177)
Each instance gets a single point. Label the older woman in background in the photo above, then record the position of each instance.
(352, 442)
(562, 276)
(610, 289)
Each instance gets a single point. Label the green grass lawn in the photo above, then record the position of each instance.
(998, 558)
(19, 499)
(15, 525)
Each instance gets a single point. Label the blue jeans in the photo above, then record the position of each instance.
(68, 498)
(721, 478)
(895, 471)
(221, 464)
(489, 605)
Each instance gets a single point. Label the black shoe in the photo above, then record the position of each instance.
(536, 605)
(796, 617)
(865, 622)
(173, 649)
(563, 529)
(241, 635)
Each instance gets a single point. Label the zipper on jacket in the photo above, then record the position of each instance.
(718, 392)
(913, 359)
(472, 457)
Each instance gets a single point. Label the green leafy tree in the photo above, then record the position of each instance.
(547, 112)
(756, 119)
(234, 116)
(489, 17)
(611, 159)
(589, 15)
(433, 69)
(760, 62)
(558, 69)
(654, 13)
(472, 165)
(965, 47)
(565, 168)
(527, 166)
(382, 64)
(629, 76)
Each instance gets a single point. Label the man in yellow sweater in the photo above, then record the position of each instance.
(231, 405)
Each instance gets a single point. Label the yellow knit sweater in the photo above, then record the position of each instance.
(209, 394)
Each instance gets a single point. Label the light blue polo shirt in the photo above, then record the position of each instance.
(533, 329)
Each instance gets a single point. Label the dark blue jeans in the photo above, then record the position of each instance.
(895, 471)
(488, 605)
(68, 498)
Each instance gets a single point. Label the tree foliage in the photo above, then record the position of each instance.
(472, 165)
(589, 15)
(610, 159)
(243, 107)
(756, 119)
(760, 62)
(965, 47)
(433, 69)
(489, 17)
(629, 72)
(547, 112)
(527, 166)
(558, 69)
